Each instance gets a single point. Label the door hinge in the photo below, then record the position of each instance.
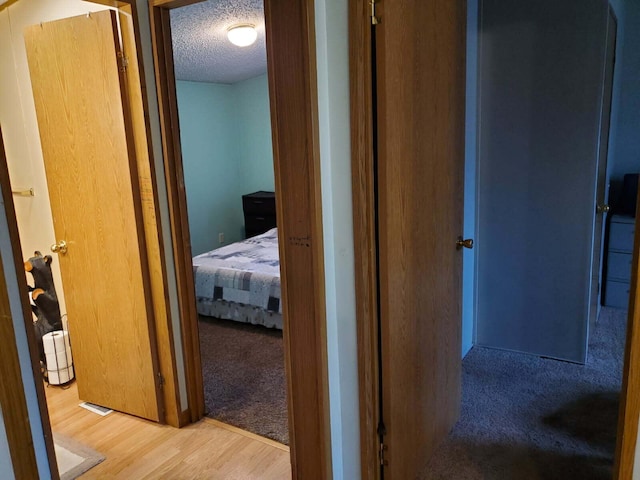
(160, 380)
(374, 18)
(383, 448)
(382, 431)
(123, 60)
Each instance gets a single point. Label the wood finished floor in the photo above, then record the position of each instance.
(138, 449)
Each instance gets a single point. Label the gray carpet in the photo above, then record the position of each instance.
(525, 417)
(244, 379)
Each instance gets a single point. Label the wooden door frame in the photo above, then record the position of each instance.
(12, 398)
(361, 91)
(365, 244)
(629, 412)
(293, 99)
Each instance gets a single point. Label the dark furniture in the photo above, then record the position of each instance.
(259, 212)
(619, 256)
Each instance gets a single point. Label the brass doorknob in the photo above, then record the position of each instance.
(603, 209)
(466, 243)
(60, 247)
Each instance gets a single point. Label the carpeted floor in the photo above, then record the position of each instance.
(244, 379)
(525, 417)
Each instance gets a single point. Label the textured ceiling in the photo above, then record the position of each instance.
(202, 52)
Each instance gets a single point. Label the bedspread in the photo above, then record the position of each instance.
(245, 273)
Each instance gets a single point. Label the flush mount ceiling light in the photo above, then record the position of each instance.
(242, 35)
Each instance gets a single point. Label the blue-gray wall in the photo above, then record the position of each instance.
(225, 132)
(210, 162)
(624, 143)
(471, 134)
(619, 8)
(6, 467)
(536, 173)
(254, 123)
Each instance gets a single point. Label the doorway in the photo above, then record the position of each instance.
(364, 99)
(225, 135)
(290, 54)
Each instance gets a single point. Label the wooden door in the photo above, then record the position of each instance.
(89, 157)
(625, 464)
(420, 63)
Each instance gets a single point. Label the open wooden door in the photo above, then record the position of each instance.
(78, 84)
(420, 64)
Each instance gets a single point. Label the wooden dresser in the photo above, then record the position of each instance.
(259, 212)
(619, 256)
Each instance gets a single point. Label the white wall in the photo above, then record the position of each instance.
(335, 152)
(6, 468)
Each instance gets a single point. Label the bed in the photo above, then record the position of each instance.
(241, 281)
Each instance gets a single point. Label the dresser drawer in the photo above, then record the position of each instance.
(257, 224)
(259, 205)
(617, 294)
(621, 236)
(619, 266)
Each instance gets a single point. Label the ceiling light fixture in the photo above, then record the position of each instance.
(242, 35)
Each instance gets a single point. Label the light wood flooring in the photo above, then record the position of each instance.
(138, 449)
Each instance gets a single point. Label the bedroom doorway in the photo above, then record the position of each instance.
(227, 160)
(293, 109)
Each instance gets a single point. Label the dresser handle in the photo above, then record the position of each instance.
(259, 218)
(258, 202)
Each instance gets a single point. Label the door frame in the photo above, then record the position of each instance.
(629, 412)
(292, 85)
(17, 425)
(361, 90)
(293, 101)
(365, 244)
